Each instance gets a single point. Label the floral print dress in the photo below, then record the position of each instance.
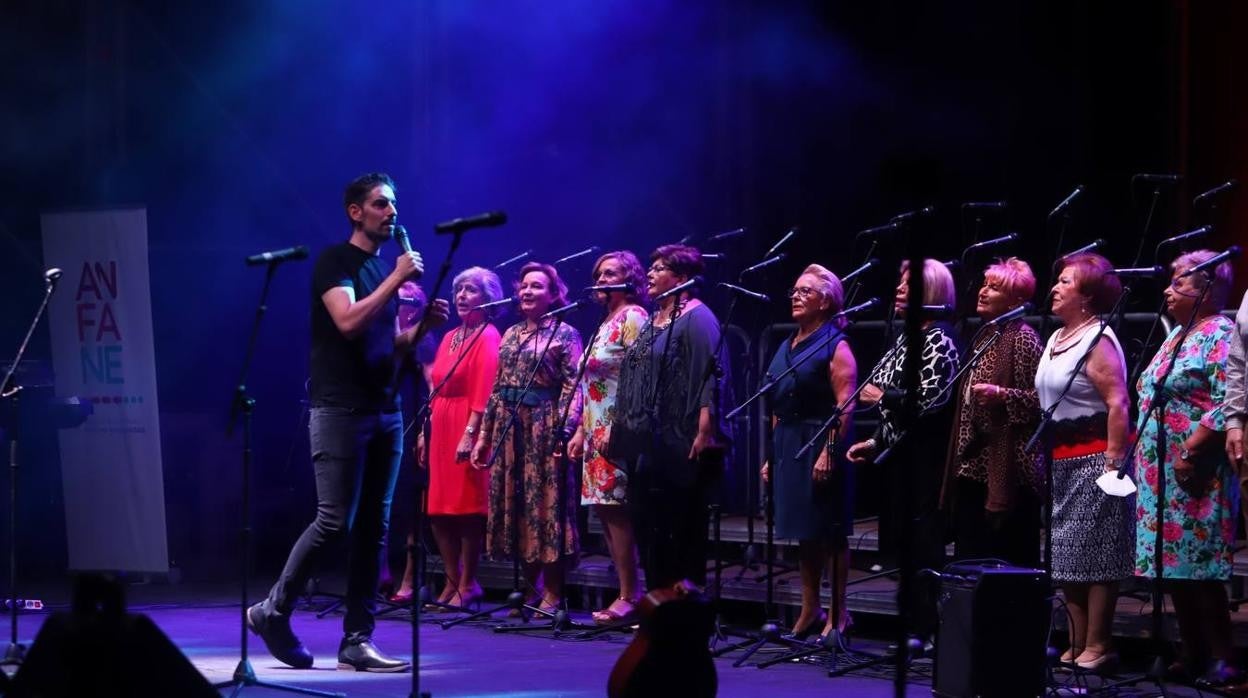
(1198, 531)
(604, 482)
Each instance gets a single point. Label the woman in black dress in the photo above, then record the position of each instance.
(814, 496)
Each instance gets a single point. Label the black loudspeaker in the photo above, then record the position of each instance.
(993, 633)
(100, 650)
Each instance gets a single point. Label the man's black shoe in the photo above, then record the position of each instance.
(278, 637)
(364, 656)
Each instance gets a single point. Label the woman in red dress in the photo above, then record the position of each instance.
(462, 376)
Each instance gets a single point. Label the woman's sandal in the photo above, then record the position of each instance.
(620, 610)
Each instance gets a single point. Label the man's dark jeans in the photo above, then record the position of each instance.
(355, 456)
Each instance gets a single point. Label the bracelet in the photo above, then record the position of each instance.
(471, 431)
(1115, 463)
(871, 444)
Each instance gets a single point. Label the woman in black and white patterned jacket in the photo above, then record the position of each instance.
(916, 462)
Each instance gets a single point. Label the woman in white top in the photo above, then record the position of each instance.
(1090, 530)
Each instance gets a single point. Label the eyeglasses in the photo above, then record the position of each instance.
(659, 268)
(803, 291)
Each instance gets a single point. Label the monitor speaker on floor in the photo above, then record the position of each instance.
(993, 633)
(98, 649)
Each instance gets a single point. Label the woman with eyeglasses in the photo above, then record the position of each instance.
(814, 495)
(669, 422)
(604, 483)
(1198, 529)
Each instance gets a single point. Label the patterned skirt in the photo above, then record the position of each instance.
(1093, 533)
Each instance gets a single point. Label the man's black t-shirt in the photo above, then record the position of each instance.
(351, 372)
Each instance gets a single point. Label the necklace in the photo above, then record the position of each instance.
(1065, 339)
(459, 335)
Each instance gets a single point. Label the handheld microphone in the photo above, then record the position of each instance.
(1009, 315)
(608, 288)
(276, 256)
(860, 270)
(1154, 272)
(494, 304)
(1004, 239)
(52, 275)
(565, 309)
(786, 238)
(1091, 246)
(1223, 187)
(878, 230)
(902, 217)
(986, 204)
(1230, 253)
(938, 310)
(481, 220)
(725, 235)
(522, 256)
(680, 288)
(762, 264)
(1067, 201)
(1202, 230)
(575, 255)
(762, 297)
(863, 307)
(1158, 178)
(400, 236)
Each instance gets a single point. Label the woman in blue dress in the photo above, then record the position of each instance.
(814, 496)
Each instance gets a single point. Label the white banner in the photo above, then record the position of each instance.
(100, 318)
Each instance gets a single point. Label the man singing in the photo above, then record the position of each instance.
(355, 426)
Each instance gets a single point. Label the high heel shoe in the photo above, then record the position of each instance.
(1103, 663)
(470, 600)
(401, 597)
(800, 634)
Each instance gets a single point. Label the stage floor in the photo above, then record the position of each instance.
(469, 660)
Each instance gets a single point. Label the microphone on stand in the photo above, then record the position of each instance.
(863, 307)
(52, 275)
(762, 297)
(1060, 208)
(1202, 230)
(276, 256)
(1157, 178)
(998, 205)
(608, 288)
(781, 241)
(1009, 315)
(1090, 247)
(903, 217)
(716, 256)
(1154, 272)
(939, 311)
(520, 257)
(1230, 253)
(878, 230)
(860, 270)
(575, 255)
(725, 235)
(481, 220)
(1223, 187)
(680, 288)
(565, 309)
(762, 264)
(1004, 239)
(494, 304)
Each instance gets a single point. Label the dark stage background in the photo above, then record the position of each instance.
(591, 123)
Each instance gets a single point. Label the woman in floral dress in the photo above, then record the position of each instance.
(604, 483)
(1199, 525)
(544, 523)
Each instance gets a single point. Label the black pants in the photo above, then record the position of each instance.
(670, 522)
(356, 460)
(1012, 536)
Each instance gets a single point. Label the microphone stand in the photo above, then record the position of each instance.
(16, 653)
(1157, 410)
(1063, 224)
(243, 407)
